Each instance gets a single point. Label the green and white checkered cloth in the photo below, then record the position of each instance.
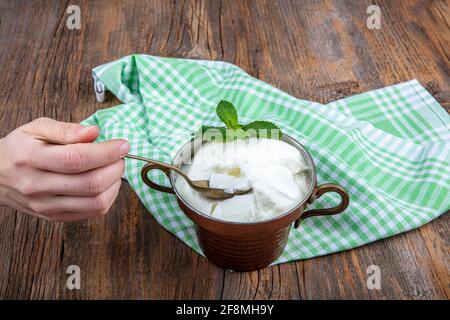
(389, 148)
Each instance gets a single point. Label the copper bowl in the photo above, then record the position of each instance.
(247, 246)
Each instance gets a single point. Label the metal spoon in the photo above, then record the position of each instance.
(201, 186)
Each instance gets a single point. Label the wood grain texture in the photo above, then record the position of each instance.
(318, 50)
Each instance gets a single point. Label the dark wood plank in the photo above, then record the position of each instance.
(33, 247)
(318, 50)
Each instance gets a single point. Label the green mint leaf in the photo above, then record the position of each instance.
(222, 134)
(263, 129)
(227, 114)
(211, 133)
(212, 129)
(260, 124)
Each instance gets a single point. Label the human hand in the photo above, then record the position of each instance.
(60, 182)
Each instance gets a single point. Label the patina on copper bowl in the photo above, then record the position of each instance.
(247, 246)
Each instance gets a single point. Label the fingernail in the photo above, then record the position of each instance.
(124, 147)
(85, 130)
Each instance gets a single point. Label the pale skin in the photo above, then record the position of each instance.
(60, 182)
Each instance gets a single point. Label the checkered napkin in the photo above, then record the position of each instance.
(389, 148)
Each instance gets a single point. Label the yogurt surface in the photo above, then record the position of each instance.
(275, 171)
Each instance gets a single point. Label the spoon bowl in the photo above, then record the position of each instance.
(201, 186)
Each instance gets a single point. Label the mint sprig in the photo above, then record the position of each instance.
(233, 130)
(227, 114)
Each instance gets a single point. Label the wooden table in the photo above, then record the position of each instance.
(317, 50)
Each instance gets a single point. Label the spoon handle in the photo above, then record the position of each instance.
(161, 165)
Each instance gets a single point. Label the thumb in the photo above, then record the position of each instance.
(62, 131)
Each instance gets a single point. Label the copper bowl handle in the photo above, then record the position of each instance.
(324, 188)
(151, 166)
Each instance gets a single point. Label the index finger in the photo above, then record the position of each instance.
(80, 157)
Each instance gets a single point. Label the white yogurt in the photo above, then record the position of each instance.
(275, 170)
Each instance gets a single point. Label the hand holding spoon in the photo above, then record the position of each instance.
(201, 186)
